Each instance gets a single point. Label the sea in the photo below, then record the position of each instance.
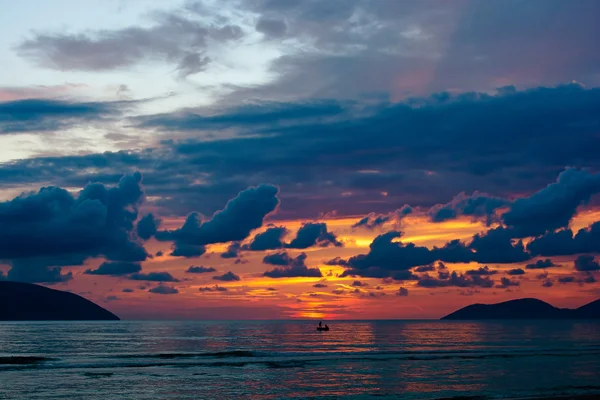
(292, 360)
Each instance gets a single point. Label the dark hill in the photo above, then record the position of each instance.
(524, 309)
(28, 302)
(590, 310)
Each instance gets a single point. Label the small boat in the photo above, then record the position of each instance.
(323, 328)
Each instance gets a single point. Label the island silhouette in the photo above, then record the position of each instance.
(528, 308)
(28, 302)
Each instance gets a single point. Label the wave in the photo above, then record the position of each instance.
(23, 360)
(273, 361)
(218, 354)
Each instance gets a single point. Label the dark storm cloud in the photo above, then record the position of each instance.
(271, 239)
(162, 289)
(482, 271)
(478, 205)
(154, 276)
(284, 259)
(37, 273)
(147, 226)
(563, 242)
(388, 258)
(187, 250)
(233, 250)
(240, 216)
(548, 283)
(249, 116)
(496, 246)
(586, 263)
(289, 267)
(468, 140)
(566, 279)
(52, 228)
(402, 292)
(386, 255)
(115, 268)
(372, 220)
(454, 279)
(515, 271)
(194, 269)
(476, 44)
(215, 288)
(271, 27)
(506, 283)
(541, 264)
(313, 234)
(425, 268)
(46, 115)
(173, 38)
(227, 277)
(554, 206)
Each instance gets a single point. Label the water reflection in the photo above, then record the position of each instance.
(268, 360)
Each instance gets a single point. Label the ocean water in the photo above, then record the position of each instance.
(290, 359)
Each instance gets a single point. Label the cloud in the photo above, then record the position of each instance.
(496, 246)
(115, 268)
(515, 271)
(48, 115)
(479, 206)
(457, 280)
(359, 284)
(254, 115)
(547, 283)
(271, 239)
(199, 269)
(233, 250)
(505, 283)
(313, 234)
(389, 257)
(373, 220)
(172, 38)
(187, 250)
(586, 263)
(154, 276)
(541, 264)
(482, 271)
(227, 277)
(240, 216)
(52, 228)
(317, 161)
(563, 242)
(289, 267)
(127, 290)
(274, 28)
(402, 292)
(425, 268)
(37, 273)
(320, 285)
(147, 226)
(336, 261)
(215, 288)
(566, 279)
(161, 289)
(554, 206)
(344, 49)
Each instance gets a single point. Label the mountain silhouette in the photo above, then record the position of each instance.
(524, 309)
(27, 302)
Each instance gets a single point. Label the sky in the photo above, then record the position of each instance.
(278, 159)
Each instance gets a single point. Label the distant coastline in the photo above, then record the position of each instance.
(528, 308)
(28, 302)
